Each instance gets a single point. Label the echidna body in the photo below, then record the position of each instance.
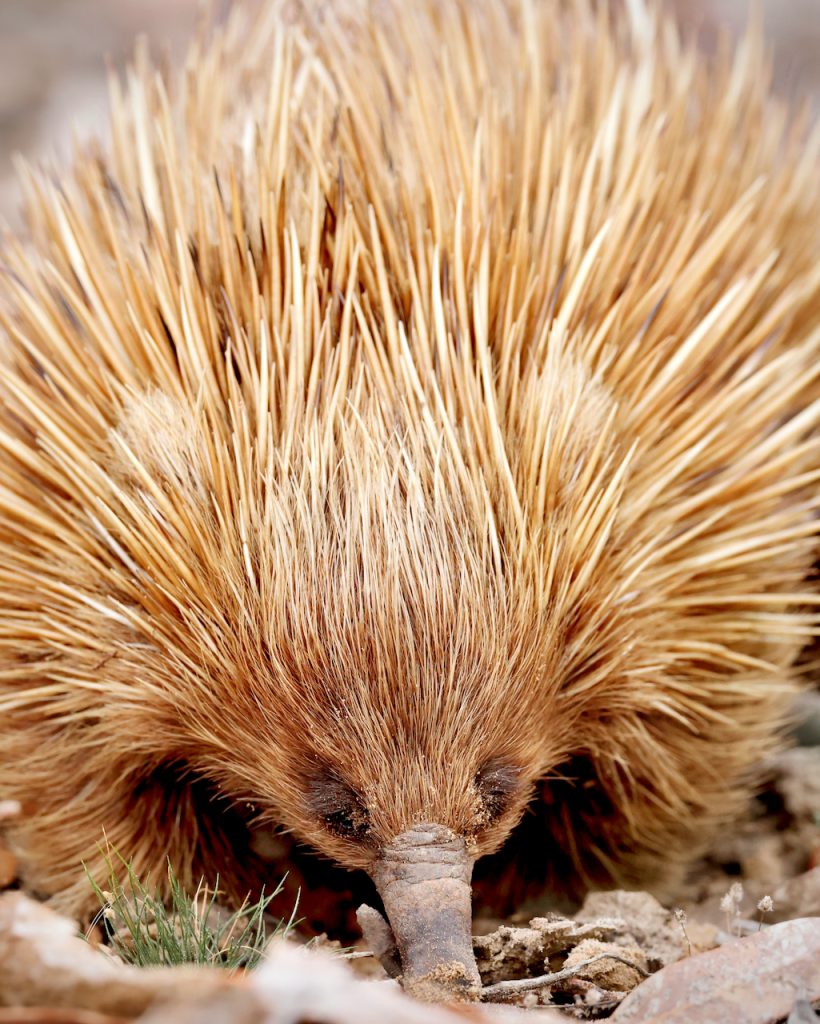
(411, 417)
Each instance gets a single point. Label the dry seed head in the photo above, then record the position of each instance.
(730, 903)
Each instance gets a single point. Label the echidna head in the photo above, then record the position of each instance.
(366, 657)
(398, 696)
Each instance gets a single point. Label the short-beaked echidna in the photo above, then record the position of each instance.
(410, 416)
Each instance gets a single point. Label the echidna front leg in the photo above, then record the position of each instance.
(423, 878)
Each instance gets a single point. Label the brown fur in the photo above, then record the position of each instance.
(414, 411)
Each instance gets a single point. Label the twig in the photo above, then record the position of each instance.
(680, 917)
(503, 990)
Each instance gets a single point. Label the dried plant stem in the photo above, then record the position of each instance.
(501, 991)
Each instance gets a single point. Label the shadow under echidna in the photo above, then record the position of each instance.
(409, 421)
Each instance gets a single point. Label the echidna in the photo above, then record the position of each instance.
(410, 418)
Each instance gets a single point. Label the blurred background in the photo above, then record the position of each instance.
(53, 52)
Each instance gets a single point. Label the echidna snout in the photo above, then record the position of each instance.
(417, 834)
(423, 878)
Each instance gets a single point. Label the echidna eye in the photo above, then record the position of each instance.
(497, 782)
(338, 806)
(348, 821)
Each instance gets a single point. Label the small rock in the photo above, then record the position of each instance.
(702, 936)
(43, 962)
(612, 975)
(799, 780)
(52, 1015)
(753, 980)
(802, 1013)
(799, 897)
(516, 952)
(763, 862)
(561, 933)
(644, 923)
(508, 953)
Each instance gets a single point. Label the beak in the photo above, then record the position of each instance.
(423, 878)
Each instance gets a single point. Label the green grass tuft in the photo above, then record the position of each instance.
(143, 929)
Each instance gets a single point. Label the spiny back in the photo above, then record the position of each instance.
(486, 333)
